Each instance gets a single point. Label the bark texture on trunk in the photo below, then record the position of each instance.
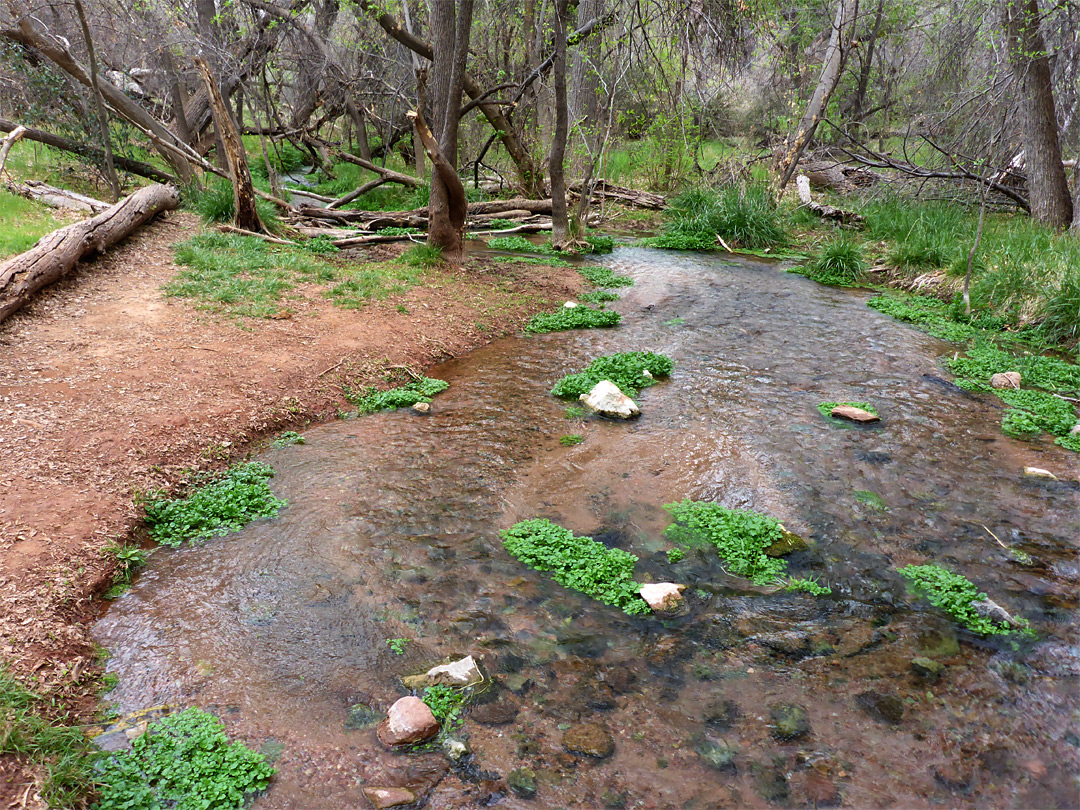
(1048, 185)
(584, 79)
(246, 216)
(446, 217)
(839, 42)
(57, 253)
(556, 163)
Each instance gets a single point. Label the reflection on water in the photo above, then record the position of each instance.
(391, 531)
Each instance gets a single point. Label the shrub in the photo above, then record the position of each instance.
(576, 318)
(625, 369)
(954, 594)
(184, 761)
(579, 563)
(371, 400)
(229, 503)
(739, 535)
(840, 263)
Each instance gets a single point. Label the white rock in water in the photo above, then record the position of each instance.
(422, 407)
(989, 609)
(646, 374)
(459, 673)
(1008, 379)
(662, 596)
(570, 305)
(1039, 472)
(607, 400)
(1075, 430)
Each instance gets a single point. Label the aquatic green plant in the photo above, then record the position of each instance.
(397, 645)
(287, 438)
(955, 595)
(129, 559)
(370, 400)
(928, 314)
(826, 408)
(675, 555)
(519, 244)
(840, 263)
(61, 753)
(740, 536)
(224, 505)
(625, 369)
(982, 360)
(1070, 442)
(186, 762)
(445, 703)
(604, 277)
(1043, 410)
(599, 243)
(570, 439)
(575, 318)
(574, 412)
(810, 586)
(871, 499)
(598, 297)
(579, 563)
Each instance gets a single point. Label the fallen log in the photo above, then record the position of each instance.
(57, 197)
(627, 196)
(58, 252)
(9, 142)
(802, 183)
(404, 219)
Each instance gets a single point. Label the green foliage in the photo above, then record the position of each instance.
(675, 555)
(574, 412)
(625, 369)
(840, 263)
(397, 645)
(604, 277)
(570, 439)
(598, 297)
(576, 318)
(744, 216)
(923, 235)
(982, 361)
(1046, 411)
(229, 503)
(928, 314)
(519, 244)
(129, 559)
(1061, 312)
(551, 261)
(498, 224)
(215, 203)
(284, 158)
(62, 753)
(289, 437)
(395, 231)
(599, 243)
(183, 762)
(1069, 442)
(370, 400)
(422, 255)
(22, 223)
(368, 281)
(578, 563)
(739, 535)
(445, 703)
(320, 246)
(954, 594)
(826, 408)
(810, 586)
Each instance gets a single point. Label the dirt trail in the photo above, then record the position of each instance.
(108, 389)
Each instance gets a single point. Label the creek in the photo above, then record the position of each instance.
(392, 532)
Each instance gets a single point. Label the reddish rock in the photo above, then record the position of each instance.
(408, 721)
(1008, 379)
(854, 414)
(384, 797)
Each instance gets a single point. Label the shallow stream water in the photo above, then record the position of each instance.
(392, 532)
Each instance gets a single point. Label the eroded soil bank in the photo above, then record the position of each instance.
(108, 389)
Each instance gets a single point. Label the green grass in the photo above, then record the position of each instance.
(185, 762)
(840, 263)
(577, 318)
(598, 297)
(604, 277)
(928, 314)
(746, 217)
(61, 754)
(954, 594)
(625, 369)
(422, 255)
(740, 537)
(519, 244)
(223, 505)
(215, 203)
(552, 261)
(370, 400)
(579, 563)
(22, 223)
(571, 439)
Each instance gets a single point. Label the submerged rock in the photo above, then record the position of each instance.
(607, 400)
(883, 708)
(361, 716)
(989, 609)
(854, 414)
(721, 714)
(408, 721)
(523, 782)
(383, 797)
(456, 749)
(589, 739)
(662, 597)
(613, 798)
(1007, 379)
(927, 668)
(457, 673)
(789, 721)
(422, 407)
(1039, 472)
(717, 755)
(771, 782)
(788, 543)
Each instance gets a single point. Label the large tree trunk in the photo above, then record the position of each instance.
(446, 218)
(1048, 186)
(556, 164)
(90, 152)
(246, 216)
(839, 41)
(584, 79)
(56, 254)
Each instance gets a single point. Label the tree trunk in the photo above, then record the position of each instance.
(858, 101)
(246, 216)
(556, 168)
(56, 254)
(99, 106)
(1048, 186)
(584, 79)
(89, 152)
(839, 40)
(446, 217)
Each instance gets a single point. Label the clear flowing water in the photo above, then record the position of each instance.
(392, 532)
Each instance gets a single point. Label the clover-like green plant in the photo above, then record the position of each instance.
(625, 369)
(370, 400)
(956, 595)
(572, 318)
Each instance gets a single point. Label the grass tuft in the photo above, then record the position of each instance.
(840, 264)
(744, 216)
